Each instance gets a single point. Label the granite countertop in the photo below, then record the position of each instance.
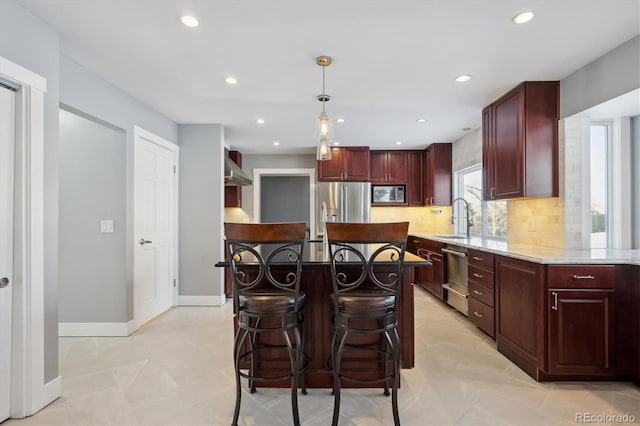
(545, 255)
(316, 253)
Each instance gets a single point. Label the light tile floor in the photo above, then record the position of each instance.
(178, 371)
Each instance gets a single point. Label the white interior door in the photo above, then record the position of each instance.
(7, 139)
(154, 225)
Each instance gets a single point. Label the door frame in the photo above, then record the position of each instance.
(311, 173)
(138, 134)
(29, 392)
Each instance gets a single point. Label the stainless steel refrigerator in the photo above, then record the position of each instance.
(342, 202)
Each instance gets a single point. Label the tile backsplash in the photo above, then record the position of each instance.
(536, 221)
(423, 220)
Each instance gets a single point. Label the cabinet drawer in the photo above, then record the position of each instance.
(480, 276)
(482, 293)
(482, 316)
(581, 276)
(481, 259)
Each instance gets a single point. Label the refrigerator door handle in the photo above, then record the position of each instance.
(345, 203)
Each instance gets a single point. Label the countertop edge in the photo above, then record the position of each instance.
(542, 255)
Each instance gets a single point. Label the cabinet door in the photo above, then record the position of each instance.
(520, 298)
(508, 117)
(357, 163)
(397, 166)
(580, 332)
(378, 166)
(332, 170)
(436, 278)
(437, 174)
(488, 154)
(427, 186)
(414, 179)
(233, 194)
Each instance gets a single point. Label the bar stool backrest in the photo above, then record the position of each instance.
(367, 258)
(265, 257)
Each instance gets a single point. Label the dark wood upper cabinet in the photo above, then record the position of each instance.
(437, 175)
(520, 142)
(414, 179)
(389, 166)
(346, 164)
(233, 194)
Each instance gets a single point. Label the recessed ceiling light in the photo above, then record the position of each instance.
(463, 78)
(190, 21)
(335, 143)
(398, 142)
(523, 17)
(260, 120)
(421, 120)
(276, 143)
(231, 80)
(339, 120)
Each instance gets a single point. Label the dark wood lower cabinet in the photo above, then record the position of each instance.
(581, 332)
(520, 299)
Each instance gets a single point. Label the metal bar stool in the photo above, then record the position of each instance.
(266, 264)
(366, 266)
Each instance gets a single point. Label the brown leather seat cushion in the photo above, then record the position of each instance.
(365, 302)
(270, 301)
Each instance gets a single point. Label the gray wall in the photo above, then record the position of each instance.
(86, 92)
(635, 177)
(31, 43)
(609, 76)
(92, 188)
(201, 209)
(258, 161)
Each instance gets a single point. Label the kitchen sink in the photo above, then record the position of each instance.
(451, 236)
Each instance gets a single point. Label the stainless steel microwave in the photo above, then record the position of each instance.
(392, 194)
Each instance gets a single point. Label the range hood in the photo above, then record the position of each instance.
(233, 175)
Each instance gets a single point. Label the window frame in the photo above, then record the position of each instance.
(458, 215)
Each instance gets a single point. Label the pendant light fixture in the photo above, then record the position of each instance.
(324, 129)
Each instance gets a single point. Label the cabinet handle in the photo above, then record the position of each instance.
(493, 193)
(478, 315)
(555, 301)
(479, 293)
(431, 201)
(477, 275)
(479, 259)
(584, 277)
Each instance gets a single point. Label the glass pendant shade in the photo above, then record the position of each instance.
(324, 129)
(324, 150)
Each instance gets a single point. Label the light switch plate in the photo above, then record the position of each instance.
(106, 226)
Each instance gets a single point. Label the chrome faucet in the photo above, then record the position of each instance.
(466, 208)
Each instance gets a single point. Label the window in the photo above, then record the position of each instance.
(489, 218)
(598, 171)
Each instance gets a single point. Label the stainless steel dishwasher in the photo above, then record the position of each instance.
(456, 289)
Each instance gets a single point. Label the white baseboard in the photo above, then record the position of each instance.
(95, 329)
(201, 300)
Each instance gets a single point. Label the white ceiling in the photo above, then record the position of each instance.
(394, 60)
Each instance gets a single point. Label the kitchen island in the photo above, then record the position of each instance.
(317, 286)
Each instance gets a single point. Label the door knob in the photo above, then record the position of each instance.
(4, 281)
(143, 241)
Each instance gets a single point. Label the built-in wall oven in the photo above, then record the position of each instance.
(456, 289)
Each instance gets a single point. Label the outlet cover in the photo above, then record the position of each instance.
(106, 226)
